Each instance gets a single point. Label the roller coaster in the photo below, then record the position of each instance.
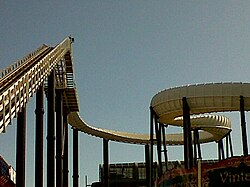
(191, 107)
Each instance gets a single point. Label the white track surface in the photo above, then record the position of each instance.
(202, 98)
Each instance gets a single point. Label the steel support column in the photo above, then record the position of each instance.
(147, 161)
(65, 151)
(59, 163)
(197, 147)
(164, 145)
(151, 153)
(198, 144)
(243, 127)
(39, 137)
(227, 146)
(221, 150)
(188, 151)
(75, 158)
(20, 148)
(51, 131)
(106, 162)
(158, 140)
(230, 145)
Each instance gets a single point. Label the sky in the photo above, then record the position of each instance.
(124, 53)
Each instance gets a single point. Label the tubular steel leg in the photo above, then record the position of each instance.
(51, 131)
(195, 146)
(151, 165)
(106, 163)
(75, 158)
(243, 127)
(221, 150)
(147, 164)
(39, 137)
(227, 146)
(188, 153)
(20, 148)
(230, 145)
(198, 144)
(59, 162)
(65, 152)
(158, 140)
(164, 146)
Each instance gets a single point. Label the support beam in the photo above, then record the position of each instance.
(197, 145)
(231, 145)
(243, 127)
(75, 158)
(151, 153)
(221, 150)
(39, 169)
(227, 147)
(106, 162)
(51, 131)
(59, 163)
(164, 145)
(158, 140)
(20, 148)
(147, 161)
(188, 150)
(65, 151)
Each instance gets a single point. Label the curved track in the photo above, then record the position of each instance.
(167, 104)
(202, 99)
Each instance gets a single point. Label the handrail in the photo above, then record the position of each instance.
(16, 65)
(16, 95)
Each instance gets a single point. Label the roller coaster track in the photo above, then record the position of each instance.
(22, 79)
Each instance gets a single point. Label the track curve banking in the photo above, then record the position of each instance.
(167, 104)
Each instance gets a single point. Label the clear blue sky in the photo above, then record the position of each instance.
(124, 53)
